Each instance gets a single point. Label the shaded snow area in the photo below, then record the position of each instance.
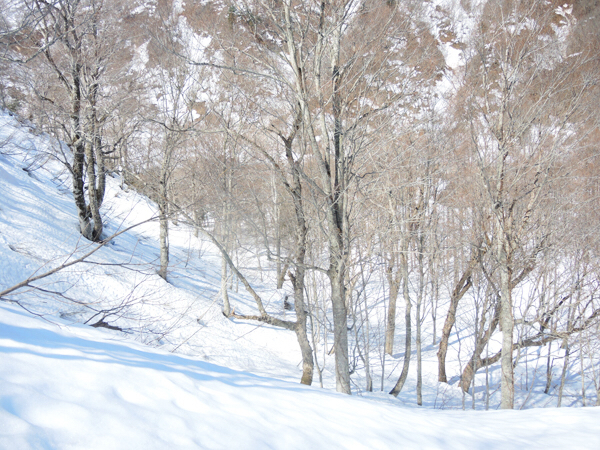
(73, 387)
(181, 375)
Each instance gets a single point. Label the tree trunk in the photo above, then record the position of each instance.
(78, 188)
(481, 343)
(295, 189)
(300, 329)
(462, 287)
(507, 382)
(548, 369)
(100, 167)
(340, 329)
(434, 305)
(78, 149)
(418, 337)
(390, 329)
(94, 206)
(281, 276)
(224, 294)
(164, 238)
(163, 209)
(407, 320)
(225, 236)
(563, 376)
(280, 270)
(338, 232)
(307, 353)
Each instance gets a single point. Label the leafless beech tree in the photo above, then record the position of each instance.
(71, 50)
(523, 103)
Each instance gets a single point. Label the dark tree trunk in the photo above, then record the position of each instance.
(295, 189)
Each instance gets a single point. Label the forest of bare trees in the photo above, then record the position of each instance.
(398, 163)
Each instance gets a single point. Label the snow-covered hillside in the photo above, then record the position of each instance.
(209, 382)
(118, 283)
(73, 387)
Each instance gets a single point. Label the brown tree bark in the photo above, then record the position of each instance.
(460, 289)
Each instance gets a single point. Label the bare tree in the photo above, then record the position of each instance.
(68, 53)
(520, 115)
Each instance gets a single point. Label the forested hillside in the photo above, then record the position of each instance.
(407, 189)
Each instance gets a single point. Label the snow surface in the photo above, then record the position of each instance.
(71, 387)
(64, 385)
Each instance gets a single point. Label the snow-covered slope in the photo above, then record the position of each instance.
(73, 387)
(65, 385)
(39, 231)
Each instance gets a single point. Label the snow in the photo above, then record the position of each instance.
(192, 378)
(69, 386)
